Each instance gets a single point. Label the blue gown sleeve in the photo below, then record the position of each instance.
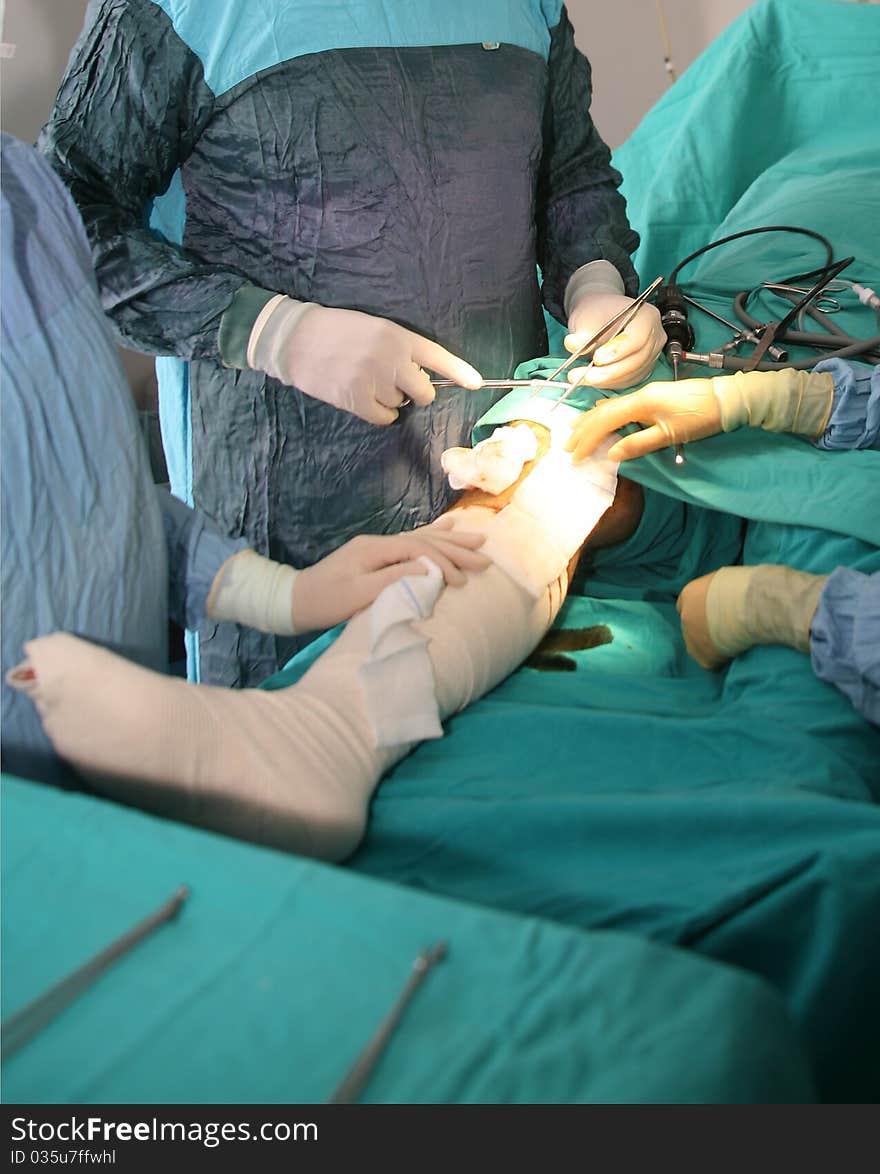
(196, 552)
(855, 416)
(129, 113)
(845, 638)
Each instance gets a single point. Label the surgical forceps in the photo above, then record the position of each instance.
(823, 300)
(741, 334)
(774, 330)
(19, 1028)
(353, 1083)
(617, 323)
(536, 383)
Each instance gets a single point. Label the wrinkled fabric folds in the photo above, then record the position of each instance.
(418, 182)
(855, 416)
(845, 638)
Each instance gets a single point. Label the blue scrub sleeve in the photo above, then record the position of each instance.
(845, 638)
(855, 416)
(196, 552)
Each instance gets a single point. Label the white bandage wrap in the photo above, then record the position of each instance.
(290, 768)
(553, 510)
(255, 592)
(396, 677)
(765, 604)
(494, 463)
(598, 275)
(778, 401)
(270, 333)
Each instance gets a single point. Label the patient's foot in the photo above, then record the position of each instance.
(292, 769)
(295, 768)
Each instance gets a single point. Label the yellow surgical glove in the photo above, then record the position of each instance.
(734, 608)
(690, 409)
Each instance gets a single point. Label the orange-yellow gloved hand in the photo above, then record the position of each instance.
(690, 409)
(729, 611)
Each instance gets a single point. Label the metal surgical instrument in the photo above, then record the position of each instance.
(740, 334)
(360, 1072)
(618, 323)
(536, 383)
(24, 1024)
(772, 330)
(823, 301)
(836, 342)
(620, 320)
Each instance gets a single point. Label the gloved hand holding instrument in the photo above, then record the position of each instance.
(593, 297)
(359, 363)
(609, 329)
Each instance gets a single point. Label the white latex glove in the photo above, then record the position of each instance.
(357, 362)
(595, 294)
(735, 608)
(255, 591)
(690, 409)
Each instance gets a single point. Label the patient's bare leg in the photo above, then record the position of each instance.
(294, 769)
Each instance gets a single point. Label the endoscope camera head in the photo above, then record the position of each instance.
(673, 317)
(674, 320)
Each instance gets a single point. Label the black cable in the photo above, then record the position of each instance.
(796, 337)
(851, 347)
(856, 350)
(829, 261)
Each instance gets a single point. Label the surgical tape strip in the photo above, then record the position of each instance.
(255, 592)
(397, 680)
(534, 537)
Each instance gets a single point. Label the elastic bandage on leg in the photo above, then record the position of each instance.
(292, 769)
(552, 512)
(295, 769)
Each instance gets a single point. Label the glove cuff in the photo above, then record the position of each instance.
(236, 324)
(595, 275)
(761, 605)
(254, 591)
(270, 333)
(777, 401)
